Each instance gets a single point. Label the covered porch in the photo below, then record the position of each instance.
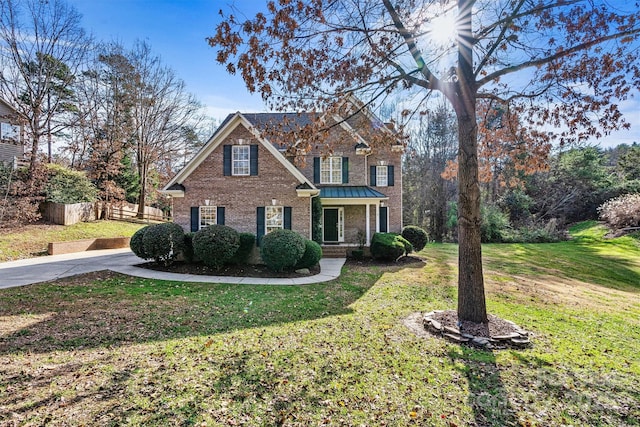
(350, 216)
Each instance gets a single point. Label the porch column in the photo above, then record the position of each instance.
(377, 216)
(368, 223)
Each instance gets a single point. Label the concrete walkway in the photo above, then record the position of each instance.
(43, 269)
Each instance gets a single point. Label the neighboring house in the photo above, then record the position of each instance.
(11, 140)
(243, 180)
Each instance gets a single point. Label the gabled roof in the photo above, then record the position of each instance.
(228, 125)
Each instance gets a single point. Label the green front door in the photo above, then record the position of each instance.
(330, 225)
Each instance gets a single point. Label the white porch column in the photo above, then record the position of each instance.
(377, 216)
(368, 223)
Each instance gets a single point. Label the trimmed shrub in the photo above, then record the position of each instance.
(389, 246)
(163, 242)
(621, 212)
(136, 243)
(247, 241)
(416, 236)
(216, 244)
(312, 255)
(282, 249)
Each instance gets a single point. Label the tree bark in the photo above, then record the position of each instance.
(471, 299)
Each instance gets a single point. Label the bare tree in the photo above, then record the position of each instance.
(42, 48)
(427, 193)
(162, 110)
(557, 63)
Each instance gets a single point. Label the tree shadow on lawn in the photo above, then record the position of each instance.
(488, 397)
(108, 309)
(560, 394)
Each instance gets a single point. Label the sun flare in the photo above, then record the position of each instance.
(443, 28)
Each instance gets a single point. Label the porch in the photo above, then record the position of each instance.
(350, 217)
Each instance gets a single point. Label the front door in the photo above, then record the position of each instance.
(332, 224)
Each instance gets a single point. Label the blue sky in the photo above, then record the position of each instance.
(176, 31)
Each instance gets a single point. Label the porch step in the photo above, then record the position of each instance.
(331, 251)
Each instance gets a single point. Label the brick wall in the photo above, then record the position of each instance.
(240, 195)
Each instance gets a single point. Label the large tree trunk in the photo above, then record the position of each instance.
(471, 300)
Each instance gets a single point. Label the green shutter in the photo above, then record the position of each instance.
(345, 170)
(372, 175)
(287, 217)
(390, 177)
(220, 215)
(195, 218)
(259, 224)
(316, 170)
(253, 160)
(226, 160)
(384, 219)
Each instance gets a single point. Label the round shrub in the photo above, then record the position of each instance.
(216, 244)
(389, 246)
(282, 249)
(136, 243)
(416, 236)
(247, 241)
(311, 256)
(163, 242)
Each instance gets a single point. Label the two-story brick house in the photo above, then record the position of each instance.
(243, 180)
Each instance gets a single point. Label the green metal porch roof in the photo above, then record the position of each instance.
(350, 192)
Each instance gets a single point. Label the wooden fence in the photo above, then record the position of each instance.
(129, 212)
(62, 214)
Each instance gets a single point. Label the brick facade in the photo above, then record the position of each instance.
(277, 180)
(240, 195)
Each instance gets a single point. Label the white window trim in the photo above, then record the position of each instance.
(337, 169)
(379, 182)
(268, 228)
(236, 162)
(213, 209)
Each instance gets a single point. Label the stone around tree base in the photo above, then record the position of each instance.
(498, 333)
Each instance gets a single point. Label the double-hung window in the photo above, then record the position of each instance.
(274, 218)
(331, 170)
(240, 160)
(9, 132)
(382, 176)
(207, 216)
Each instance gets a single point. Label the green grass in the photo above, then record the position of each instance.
(32, 240)
(112, 350)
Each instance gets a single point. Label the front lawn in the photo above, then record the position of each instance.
(106, 349)
(31, 240)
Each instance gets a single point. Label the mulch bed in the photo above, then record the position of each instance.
(200, 269)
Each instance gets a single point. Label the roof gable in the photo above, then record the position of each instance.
(230, 123)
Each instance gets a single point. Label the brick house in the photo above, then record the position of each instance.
(243, 180)
(11, 139)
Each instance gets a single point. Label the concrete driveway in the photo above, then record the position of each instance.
(46, 268)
